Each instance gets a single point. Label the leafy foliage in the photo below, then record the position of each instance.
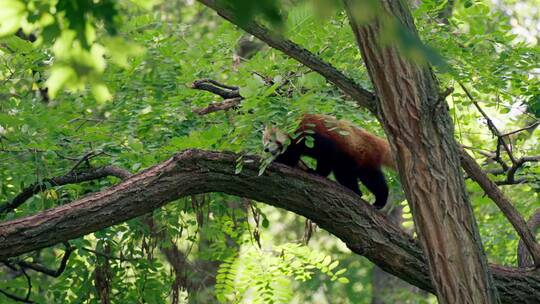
(266, 278)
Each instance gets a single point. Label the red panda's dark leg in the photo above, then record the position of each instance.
(348, 179)
(375, 182)
(291, 156)
(323, 168)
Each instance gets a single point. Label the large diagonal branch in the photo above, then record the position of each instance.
(362, 96)
(496, 195)
(326, 203)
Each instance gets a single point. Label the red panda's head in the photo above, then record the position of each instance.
(274, 140)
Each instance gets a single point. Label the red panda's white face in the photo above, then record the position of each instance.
(273, 140)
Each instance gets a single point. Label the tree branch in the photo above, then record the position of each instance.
(527, 128)
(496, 195)
(331, 206)
(363, 97)
(225, 91)
(70, 178)
(517, 164)
(16, 298)
(224, 105)
(490, 123)
(53, 273)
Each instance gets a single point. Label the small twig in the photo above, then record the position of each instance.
(47, 271)
(267, 80)
(70, 178)
(522, 129)
(91, 120)
(84, 158)
(488, 154)
(517, 181)
(103, 277)
(224, 105)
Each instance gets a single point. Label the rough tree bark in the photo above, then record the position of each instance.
(332, 207)
(421, 134)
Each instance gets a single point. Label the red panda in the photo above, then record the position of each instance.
(338, 146)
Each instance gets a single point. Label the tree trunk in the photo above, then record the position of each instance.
(421, 133)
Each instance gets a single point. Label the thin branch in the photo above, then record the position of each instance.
(532, 126)
(14, 297)
(498, 157)
(516, 181)
(362, 96)
(488, 154)
(221, 85)
(490, 123)
(70, 178)
(53, 273)
(29, 283)
(224, 105)
(517, 164)
(496, 195)
(85, 158)
(225, 91)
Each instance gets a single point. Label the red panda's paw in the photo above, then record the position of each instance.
(378, 206)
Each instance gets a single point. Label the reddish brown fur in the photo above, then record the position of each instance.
(368, 150)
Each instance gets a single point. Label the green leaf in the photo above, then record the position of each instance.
(101, 92)
(343, 280)
(60, 75)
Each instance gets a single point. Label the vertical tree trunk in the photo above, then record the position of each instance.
(421, 133)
